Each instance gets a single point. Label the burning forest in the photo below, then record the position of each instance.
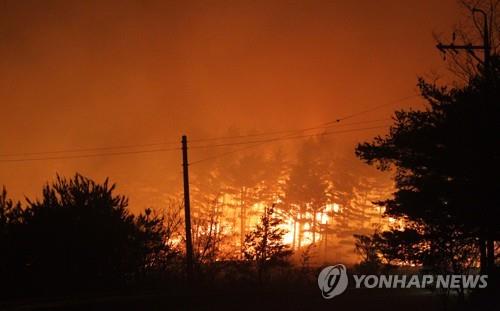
(249, 155)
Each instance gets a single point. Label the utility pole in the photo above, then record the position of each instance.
(187, 212)
(470, 48)
(486, 241)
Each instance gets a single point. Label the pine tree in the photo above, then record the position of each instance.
(264, 244)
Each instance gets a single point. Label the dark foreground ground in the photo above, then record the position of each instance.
(252, 298)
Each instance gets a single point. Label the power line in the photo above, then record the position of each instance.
(254, 143)
(90, 155)
(281, 138)
(262, 142)
(376, 108)
(27, 154)
(86, 149)
(325, 125)
(231, 152)
(320, 126)
(226, 153)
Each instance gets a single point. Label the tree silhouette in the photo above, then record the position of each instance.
(447, 162)
(154, 238)
(264, 244)
(81, 235)
(306, 189)
(10, 223)
(366, 246)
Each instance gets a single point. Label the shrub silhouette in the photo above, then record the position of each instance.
(80, 235)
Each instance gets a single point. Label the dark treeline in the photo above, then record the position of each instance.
(446, 160)
(447, 166)
(79, 235)
(81, 238)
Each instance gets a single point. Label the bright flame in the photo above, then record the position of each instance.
(288, 225)
(330, 219)
(332, 207)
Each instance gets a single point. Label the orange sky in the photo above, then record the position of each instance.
(83, 74)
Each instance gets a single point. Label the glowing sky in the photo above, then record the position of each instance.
(80, 74)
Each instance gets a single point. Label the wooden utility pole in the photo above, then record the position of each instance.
(486, 241)
(187, 212)
(470, 48)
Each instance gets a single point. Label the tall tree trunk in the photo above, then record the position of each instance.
(313, 227)
(242, 221)
(325, 236)
(299, 242)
